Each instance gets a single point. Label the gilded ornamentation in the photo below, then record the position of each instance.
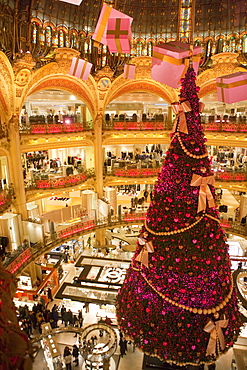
(70, 85)
(64, 57)
(104, 72)
(225, 63)
(18, 93)
(23, 77)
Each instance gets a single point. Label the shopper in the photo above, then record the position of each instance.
(80, 318)
(49, 294)
(67, 358)
(123, 346)
(75, 354)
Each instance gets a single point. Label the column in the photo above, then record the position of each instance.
(100, 237)
(16, 167)
(98, 156)
(31, 269)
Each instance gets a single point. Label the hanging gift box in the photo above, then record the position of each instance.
(129, 71)
(74, 2)
(118, 35)
(232, 88)
(80, 68)
(171, 60)
(106, 14)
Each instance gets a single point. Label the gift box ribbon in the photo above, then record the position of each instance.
(103, 25)
(222, 85)
(180, 109)
(127, 69)
(216, 335)
(177, 62)
(83, 68)
(117, 33)
(204, 192)
(143, 255)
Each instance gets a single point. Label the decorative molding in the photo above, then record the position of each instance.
(18, 92)
(224, 63)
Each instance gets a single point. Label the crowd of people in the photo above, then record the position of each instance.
(31, 320)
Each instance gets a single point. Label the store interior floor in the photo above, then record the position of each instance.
(235, 359)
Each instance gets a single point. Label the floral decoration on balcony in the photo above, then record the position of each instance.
(61, 182)
(231, 176)
(137, 172)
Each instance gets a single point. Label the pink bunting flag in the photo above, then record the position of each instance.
(80, 68)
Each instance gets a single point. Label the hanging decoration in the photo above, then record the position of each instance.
(232, 88)
(129, 71)
(171, 60)
(106, 24)
(118, 35)
(74, 2)
(80, 68)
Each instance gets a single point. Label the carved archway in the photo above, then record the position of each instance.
(150, 86)
(67, 83)
(6, 87)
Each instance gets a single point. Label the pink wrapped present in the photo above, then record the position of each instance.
(75, 2)
(232, 88)
(129, 71)
(80, 68)
(106, 13)
(170, 62)
(118, 35)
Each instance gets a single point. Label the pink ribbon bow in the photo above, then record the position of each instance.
(216, 335)
(180, 109)
(204, 192)
(201, 106)
(143, 255)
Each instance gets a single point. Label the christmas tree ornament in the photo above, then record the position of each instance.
(187, 277)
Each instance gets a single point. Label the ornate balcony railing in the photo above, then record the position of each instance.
(55, 128)
(231, 176)
(22, 257)
(136, 172)
(131, 125)
(220, 126)
(61, 182)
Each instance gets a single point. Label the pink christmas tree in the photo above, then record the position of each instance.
(177, 301)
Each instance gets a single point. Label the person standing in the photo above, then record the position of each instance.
(75, 354)
(49, 294)
(123, 346)
(67, 358)
(80, 318)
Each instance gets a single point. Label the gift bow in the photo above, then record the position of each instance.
(216, 335)
(180, 109)
(204, 192)
(143, 255)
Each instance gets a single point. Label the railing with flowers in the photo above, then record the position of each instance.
(22, 257)
(130, 125)
(136, 172)
(222, 126)
(135, 216)
(55, 128)
(80, 226)
(61, 182)
(231, 176)
(17, 259)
